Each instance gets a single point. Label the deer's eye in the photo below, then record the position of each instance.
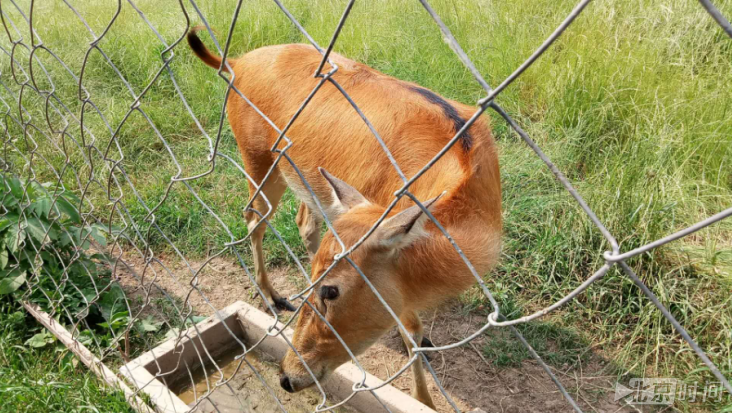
(328, 292)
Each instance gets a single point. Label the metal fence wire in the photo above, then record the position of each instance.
(50, 139)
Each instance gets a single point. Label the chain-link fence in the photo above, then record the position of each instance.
(76, 251)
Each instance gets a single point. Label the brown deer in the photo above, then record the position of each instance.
(412, 265)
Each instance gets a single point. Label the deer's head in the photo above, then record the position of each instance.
(343, 298)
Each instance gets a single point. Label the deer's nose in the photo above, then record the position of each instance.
(285, 383)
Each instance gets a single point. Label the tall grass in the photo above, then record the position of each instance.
(632, 103)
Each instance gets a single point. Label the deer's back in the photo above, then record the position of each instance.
(413, 123)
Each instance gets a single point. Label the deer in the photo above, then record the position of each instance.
(412, 265)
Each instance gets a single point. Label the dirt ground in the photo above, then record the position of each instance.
(467, 376)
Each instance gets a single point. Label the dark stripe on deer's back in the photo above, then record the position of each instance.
(450, 112)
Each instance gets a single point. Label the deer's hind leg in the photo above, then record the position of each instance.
(309, 223)
(272, 190)
(251, 136)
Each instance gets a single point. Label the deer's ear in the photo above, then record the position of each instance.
(406, 227)
(345, 196)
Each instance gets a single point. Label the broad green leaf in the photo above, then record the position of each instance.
(48, 258)
(71, 197)
(112, 302)
(69, 209)
(12, 281)
(40, 340)
(149, 324)
(89, 294)
(9, 220)
(119, 315)
(119, 320)
(37, 341)
(97, 232)
(14, 237)
(82, 267)
(35, 190)
(3, 258)
(37, 229)
(9, 201)
(16, 187)
(42, 206)
(54, 232)
(81, 237)
(85, 337)
(4, 223)
(75, 235)
(64, 239)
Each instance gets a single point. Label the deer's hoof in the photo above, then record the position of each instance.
(283, 305)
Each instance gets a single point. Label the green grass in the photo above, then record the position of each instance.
(559, 347)
(45, 379)
(631, 103)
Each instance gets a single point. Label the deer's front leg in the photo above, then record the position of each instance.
(413, 325)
